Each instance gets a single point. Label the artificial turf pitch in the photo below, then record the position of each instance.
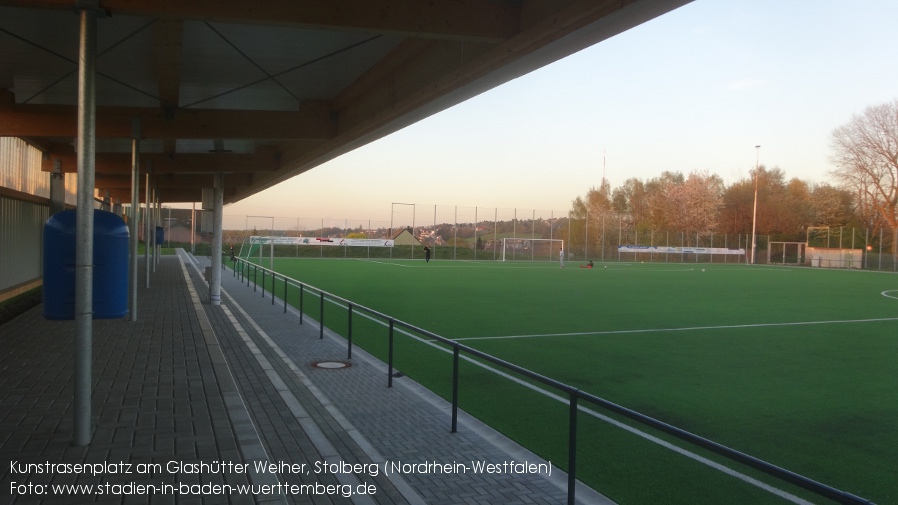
(795, 366)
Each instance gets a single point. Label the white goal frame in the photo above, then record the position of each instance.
(783, 247)
(554, 244)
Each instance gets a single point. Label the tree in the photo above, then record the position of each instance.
(695, 203)
(831, 206)
(736, 214)
(865, 151)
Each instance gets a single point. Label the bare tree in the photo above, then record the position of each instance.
(866, 155)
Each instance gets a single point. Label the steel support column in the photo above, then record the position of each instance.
(146, 231)
(154, 222)
(135, 204)
(84, 250)
(217, 220)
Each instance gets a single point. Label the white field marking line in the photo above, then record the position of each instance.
(887, 295)
(388, 263)
(690, 328)
(318, 438)
(684, 452)
(667, 445)
(443, 264)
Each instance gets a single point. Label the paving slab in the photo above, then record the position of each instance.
(190, 391)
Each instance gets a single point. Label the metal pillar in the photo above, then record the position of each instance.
(57, 188)
(217, 220)
(84, 250)
(153, 223)
(135, 203)
(754, 215)
(193, 229)
(146, 231)
(156, 222)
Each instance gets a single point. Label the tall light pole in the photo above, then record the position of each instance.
(754, 217)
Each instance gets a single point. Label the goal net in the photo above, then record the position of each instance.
(786, 253)
(531, 249)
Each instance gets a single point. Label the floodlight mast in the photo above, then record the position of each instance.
(754, 217)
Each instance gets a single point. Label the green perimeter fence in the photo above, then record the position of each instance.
(479, 233)
(311, 300)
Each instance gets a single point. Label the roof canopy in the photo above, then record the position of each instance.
(263, 91)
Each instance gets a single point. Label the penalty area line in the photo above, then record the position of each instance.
(671, 330)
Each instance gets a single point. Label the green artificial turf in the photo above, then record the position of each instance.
(796, 366)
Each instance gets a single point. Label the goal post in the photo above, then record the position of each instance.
(786, 253)
(531, 249)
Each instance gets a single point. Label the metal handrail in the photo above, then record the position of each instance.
(574, 394)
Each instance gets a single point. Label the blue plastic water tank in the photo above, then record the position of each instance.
(110, 272)
(160, 235)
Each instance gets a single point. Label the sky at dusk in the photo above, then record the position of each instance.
(693, 90)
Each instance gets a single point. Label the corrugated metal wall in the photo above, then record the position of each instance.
(21, 241)
(21, 221)
(20, 170)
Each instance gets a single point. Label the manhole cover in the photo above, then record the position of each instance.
(331, 365)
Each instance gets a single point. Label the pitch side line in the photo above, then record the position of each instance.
(691, 328)
(635, 431)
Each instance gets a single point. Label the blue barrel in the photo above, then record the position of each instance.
(110, 272)
(160, 235)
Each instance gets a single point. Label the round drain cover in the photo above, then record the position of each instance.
(331, 365)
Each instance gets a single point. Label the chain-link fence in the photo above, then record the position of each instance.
(479, 233)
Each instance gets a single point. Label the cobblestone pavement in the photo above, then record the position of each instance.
(190, 383)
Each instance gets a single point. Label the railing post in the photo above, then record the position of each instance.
(255, 277)
(263, 283)
(301, 291)
(286, 284)
(454, 389)
(274, 278)
(349, 334)
(390, 356)
(321, 317)
(572, 451)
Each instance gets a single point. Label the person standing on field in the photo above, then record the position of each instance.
(561, 256)
(427, 254)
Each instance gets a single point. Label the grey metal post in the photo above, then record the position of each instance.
(475, 232)
(57, 188)
(135, 203)
(586, 234)
(193, 229)
(455, 238)
(151, 213)
(217, 220)
(84, 250)
(146, 231)
(495, 230)
(157, 219)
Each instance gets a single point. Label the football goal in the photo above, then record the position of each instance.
(531, 249)
(786, 253)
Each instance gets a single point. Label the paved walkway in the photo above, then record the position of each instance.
(190, 393)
